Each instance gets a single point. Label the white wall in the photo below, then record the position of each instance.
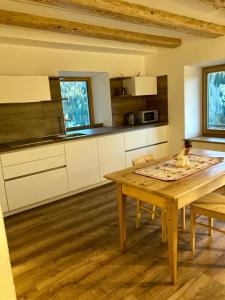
(173, 62)
(192, 101)
(28, 60)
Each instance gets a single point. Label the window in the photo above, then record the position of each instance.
(77, 102)
(214, 100)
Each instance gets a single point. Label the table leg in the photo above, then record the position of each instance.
(172, 231)
(121, 198)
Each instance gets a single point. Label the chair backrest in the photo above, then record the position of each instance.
(143, 159)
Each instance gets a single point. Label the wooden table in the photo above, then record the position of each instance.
(170, 196)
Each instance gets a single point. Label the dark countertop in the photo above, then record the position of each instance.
(87, 133)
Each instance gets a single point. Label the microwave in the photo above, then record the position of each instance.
(146, 116)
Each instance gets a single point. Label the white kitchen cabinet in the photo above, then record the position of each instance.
(23, 156)
(35, 188)
(136, 139)
(159, 151)
(3, 200)
(142, 85)
(35, 166)
(22, 89)
(82, 163)
(157, 135)
(130, 155)
(111, 154)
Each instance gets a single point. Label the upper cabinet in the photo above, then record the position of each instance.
(141, 86)
(22, 89)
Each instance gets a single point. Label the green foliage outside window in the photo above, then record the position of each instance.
(216, 100)
(75, 103)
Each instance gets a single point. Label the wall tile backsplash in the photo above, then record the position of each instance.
(20, 121)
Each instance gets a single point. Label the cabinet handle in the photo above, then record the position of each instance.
(35, 173)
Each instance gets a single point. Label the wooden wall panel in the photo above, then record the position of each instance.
(160, 101)
(20, 121)
(122, 105)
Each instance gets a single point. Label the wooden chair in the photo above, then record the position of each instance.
(152, 210)
(211, 206)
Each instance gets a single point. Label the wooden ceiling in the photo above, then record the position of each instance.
(119, 10)
(77, 28)
(139, 14)
(216, 3)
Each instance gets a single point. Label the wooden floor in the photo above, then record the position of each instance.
(69, 250)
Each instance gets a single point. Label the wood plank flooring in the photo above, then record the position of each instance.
(69, 250)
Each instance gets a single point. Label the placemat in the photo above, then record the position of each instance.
(167, 170)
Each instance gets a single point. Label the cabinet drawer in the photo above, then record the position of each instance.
(33, 167)
(136, 139)
(157, 135)
(23, 156)
(32, 189)
(130, 155)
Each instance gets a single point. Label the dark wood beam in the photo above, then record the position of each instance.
(139, 14)
(76, 28)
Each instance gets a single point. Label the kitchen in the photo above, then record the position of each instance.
(36, 53)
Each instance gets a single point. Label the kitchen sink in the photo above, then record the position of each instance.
(70, 135)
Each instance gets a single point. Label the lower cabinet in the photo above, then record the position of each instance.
(35, 188)
(130, 155)
(159, 151)
(111, 154)
(3, 201)
(82, 163)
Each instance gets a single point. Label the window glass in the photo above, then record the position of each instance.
(216, 100)
(75, 102)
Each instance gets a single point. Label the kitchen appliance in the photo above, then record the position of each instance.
(130, 119)
(146, 116)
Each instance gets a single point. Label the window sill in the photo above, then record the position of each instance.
(208, 139)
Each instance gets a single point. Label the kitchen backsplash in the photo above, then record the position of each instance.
(20, 121)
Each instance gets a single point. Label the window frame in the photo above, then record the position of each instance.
(90, 100)
(205, 72)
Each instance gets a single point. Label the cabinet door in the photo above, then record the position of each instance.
(82, 163)
(35, 188)
(24, 89)
(136, 139)
(130, 155)
(111, 154)
(157, 135)
(159, 151)
(3, 201)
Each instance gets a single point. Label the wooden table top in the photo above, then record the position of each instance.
(176, 189)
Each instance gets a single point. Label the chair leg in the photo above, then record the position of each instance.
(192, 229)
(210, 223)
(163, 226)
(183, 218)
(153, 212)
(138, 214)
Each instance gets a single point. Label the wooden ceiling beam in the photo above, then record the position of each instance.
(139, 14)
(76, 28)
(216, 3)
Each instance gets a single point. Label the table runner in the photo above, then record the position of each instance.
(167, 170)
